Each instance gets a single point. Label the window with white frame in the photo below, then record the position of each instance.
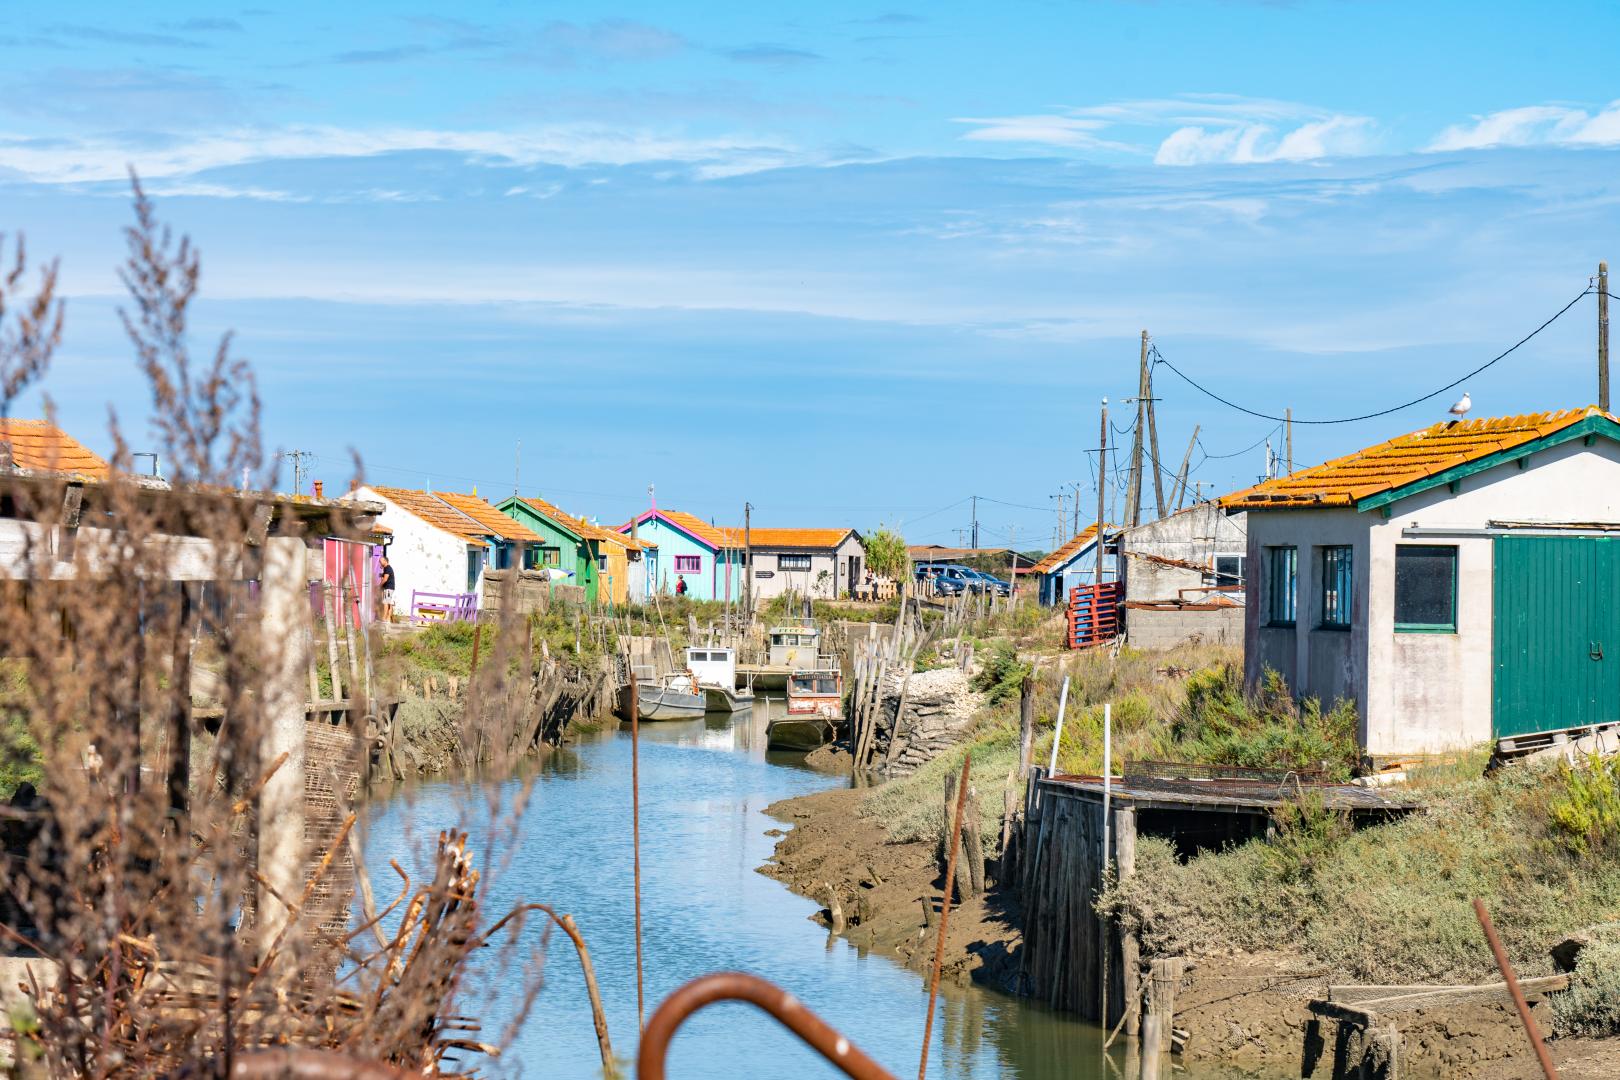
(688, 564)
(793, 562)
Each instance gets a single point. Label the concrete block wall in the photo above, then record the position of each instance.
(1166, 628)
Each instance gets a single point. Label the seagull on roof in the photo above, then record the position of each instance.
(1464, 403)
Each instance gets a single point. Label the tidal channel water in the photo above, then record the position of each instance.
(704, 787)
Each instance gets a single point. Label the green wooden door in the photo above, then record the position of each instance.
(1557, 633)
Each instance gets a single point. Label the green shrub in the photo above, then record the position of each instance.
(1223, 726)
(1001, 674)
(1586, 810)
(1591, 1005)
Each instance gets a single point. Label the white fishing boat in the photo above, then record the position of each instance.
(815, 704)
(674, 697)
(715, 670)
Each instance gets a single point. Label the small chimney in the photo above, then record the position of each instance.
(317, 489)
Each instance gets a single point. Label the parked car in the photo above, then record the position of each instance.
(946, 580)
(992, 584)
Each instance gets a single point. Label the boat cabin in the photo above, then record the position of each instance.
(818, 692)
(712, 665)
(795, 646)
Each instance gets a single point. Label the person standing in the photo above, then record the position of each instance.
(385, 582)
(680, 586)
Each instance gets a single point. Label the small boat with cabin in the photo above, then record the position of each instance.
(815, 703)
(674, 697)
(715, 669)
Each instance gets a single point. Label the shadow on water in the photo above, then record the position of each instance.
(704, 786)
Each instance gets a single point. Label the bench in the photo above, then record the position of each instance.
(428, 607)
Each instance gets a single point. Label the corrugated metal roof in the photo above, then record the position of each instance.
(1066, 552)
(1403, 460)
(37, 444)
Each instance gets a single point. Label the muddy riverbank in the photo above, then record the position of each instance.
(1248, 1012)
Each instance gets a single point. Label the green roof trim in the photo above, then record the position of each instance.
(514, 502)
(1588, 429)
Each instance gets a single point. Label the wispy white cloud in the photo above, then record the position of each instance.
(1204, 128)
(1532, 125)
(102, 158)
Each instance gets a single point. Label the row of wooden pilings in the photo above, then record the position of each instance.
(1075, 959)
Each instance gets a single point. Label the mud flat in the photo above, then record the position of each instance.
(1248, 1012)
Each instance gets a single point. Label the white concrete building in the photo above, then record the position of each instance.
(1459, 584)
(821, 563)
(1183, 578)
(442, 542)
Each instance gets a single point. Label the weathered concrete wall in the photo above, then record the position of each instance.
(1416, 693)
(1166, 628)
(1193, 537)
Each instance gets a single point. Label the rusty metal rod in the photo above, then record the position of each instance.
(1548, 1069)
(635, 836)
(944, 913)
(821, 1036)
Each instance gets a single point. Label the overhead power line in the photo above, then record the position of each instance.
(1159, 358)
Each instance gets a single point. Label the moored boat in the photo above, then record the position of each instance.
(815, 703)
(715, 670)
(674, 697)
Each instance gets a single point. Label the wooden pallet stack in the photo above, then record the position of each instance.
(1093, 617)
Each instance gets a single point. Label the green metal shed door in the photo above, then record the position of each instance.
(1557, 633)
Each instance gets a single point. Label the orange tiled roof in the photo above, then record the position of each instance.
(36, 444)
(433, 510)
(1062, 554)
(805, 538)
(712, 535)
(1403, 460)
(494, 522)
(577, 525)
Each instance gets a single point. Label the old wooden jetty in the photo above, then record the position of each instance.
(1068, 855)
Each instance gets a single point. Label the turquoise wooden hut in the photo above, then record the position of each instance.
(708, 558)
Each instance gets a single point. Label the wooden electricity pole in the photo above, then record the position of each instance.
(1153, 432)
(1102, 488)
(1603, 336)
(1179, 491)
(1133, 489)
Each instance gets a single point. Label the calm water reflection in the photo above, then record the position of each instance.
(704, 786)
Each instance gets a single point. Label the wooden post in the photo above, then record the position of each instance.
(284, 616)
(1178, 491)
(1165, 976)
(1130, 946)
(179, 733)
(635, 838)
(1153, 441)
(1026, 724)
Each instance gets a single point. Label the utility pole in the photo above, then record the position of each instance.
(1062, 517)
(1102, 487)
(1179, 491)
(1603, 336)
(1288, 435)
(975, 523)
(299, 473)
(517, 468)
(748, 559)
(1074, 530)
(1153, 431)
(1133, 490)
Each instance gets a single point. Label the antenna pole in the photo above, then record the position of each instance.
(1603, 336)
(1102, 487)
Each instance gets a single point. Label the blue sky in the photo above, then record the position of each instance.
(849, 262)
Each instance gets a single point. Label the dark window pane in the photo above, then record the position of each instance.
(1336, 586)
(1281, 585)
(1425, 586)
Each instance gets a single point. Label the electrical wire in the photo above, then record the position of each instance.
(1158, 358)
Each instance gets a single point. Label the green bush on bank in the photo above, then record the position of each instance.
(1392, 903)
(1586, 810)
(1591, 1005)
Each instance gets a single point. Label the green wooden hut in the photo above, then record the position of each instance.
(564, 543)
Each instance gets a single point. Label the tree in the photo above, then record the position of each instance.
(886, 552)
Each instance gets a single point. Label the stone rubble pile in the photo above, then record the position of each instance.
(940, 707)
